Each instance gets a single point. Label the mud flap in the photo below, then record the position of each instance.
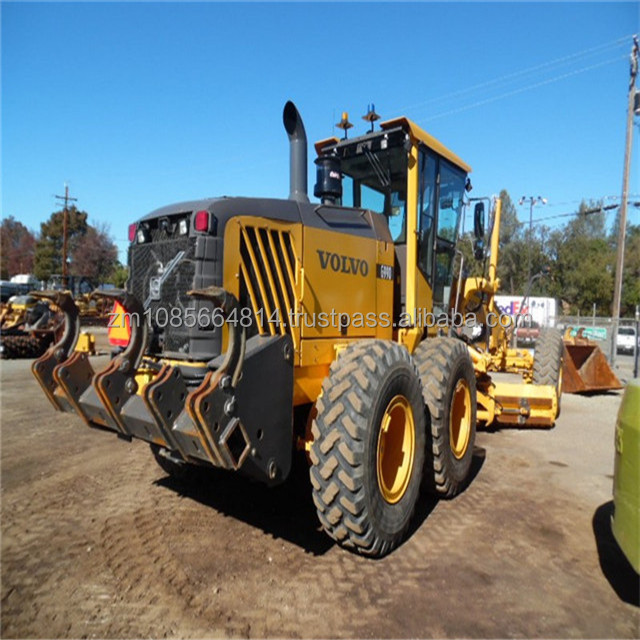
(242, 413)
(248, 427)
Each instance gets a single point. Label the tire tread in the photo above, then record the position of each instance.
(435, 359)
(337, 452)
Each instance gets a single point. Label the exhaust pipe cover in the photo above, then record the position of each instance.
(297, 153)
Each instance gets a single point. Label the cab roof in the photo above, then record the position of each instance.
(417, 133)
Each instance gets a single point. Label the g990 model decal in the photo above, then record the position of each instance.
(384, 272)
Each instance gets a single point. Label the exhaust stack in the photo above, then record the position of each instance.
(298, 153)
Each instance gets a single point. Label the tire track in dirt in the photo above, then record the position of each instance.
(47, 540)
(374, 586)
(141, 534)
(97, 542)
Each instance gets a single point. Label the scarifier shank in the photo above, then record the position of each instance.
(233, 421)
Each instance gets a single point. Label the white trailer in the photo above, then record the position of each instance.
(542, 310)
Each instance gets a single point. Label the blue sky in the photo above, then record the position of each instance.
(137, 105)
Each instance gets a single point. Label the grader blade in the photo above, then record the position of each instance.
(525, 405)
(586, 369)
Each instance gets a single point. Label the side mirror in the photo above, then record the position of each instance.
(478, 249)
(478, 220)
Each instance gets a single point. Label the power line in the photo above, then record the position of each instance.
(523, 72)
(588, 199)
(527, 88)
(606, 208)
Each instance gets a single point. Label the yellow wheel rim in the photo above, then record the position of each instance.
(460, 419)
(396, 449)
(559, 387)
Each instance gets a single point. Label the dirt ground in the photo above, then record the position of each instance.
(98, 542)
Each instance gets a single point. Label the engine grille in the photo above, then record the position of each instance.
(162, 271)
(267, 278)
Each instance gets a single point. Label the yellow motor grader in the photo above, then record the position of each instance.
(527, 403)
(27, 327)
(93, 311)
(253, 327)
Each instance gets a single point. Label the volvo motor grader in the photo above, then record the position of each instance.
(254, 327)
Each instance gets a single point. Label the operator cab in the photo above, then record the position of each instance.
(373, 172)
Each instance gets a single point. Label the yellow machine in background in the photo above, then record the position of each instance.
(27, 327)
(535, 401)
(254, 326)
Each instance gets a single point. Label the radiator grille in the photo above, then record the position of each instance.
(149, 261)
(267, 278)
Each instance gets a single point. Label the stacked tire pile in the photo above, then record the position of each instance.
(27, 330)
(23, 344)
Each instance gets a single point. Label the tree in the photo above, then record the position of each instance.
(582, 261)
(96, 256)
(119, 275)
(48, 252)
(513, 249)
(580, 255)
(90, 250)
(631, 273)
(17, 247)
(510, 226)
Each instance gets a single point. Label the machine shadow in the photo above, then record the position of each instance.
(286, 511)
(427, 503)
(615, 567)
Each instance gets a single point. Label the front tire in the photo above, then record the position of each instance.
(548, 361)
(368, 447)
(449, 390)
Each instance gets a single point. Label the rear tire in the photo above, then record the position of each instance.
(449, 391)
(368, 447)
(548, 361)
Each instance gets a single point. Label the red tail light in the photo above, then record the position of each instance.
(202, 221)
(132, 232)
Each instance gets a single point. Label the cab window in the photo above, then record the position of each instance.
(450, 200)
(371, 199)
(377, 180)
(427, 209)
(347, 191)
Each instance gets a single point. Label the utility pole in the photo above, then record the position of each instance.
(65, 223)
(532, 202)
(617, 289)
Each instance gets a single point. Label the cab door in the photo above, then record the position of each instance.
(451, 189)
(442, 187)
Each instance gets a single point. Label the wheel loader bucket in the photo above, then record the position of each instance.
(586, 369)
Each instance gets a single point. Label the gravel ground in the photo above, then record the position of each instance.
(98, 542)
